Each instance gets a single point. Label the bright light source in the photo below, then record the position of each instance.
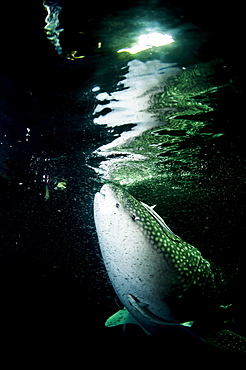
(147, 41)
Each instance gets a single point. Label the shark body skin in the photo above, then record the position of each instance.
(150, 268)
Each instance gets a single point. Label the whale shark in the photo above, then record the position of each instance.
(153, 271)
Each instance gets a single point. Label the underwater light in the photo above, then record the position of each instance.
(147, 41)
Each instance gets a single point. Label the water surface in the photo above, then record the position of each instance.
(164, 123)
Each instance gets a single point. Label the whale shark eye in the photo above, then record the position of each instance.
(134, 217)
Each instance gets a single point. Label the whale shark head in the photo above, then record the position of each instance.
(150, 268)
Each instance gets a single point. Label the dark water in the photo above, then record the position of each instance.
(166, 123)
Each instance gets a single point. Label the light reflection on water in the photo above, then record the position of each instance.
(168, 107)
(130, 103)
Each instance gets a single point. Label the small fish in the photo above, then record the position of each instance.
(150, 267)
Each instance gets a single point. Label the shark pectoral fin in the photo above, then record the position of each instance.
(187, 323)
(228, 341)
(122, 317)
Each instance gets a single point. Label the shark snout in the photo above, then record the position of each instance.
(104, 200)
(102, 193)
(105, 190)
